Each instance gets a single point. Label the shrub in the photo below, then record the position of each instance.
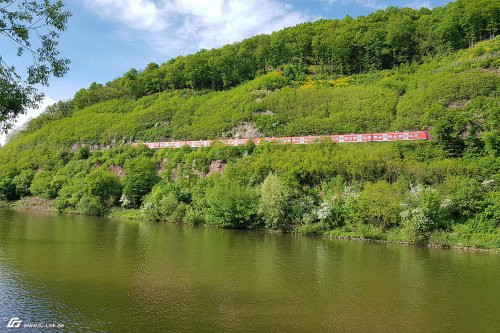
(90, 205)
(46, 185)
(83, 153)
(302, 210)
(105, 186)
(70, 194)
(7, 189)
(230, 205)
(368, 231)
(430, 202)
(416, 226)
(140, 177)
(274, 202)
(193, 216)
(465, 197)
(331, 213)
(380, 204)
(151, 203)
(164, 203)
(22, 182)
(491, 213)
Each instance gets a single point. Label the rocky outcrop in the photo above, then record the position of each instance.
(217, 166)
(245, 131)
(117, 170)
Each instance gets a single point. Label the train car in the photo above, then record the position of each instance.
(304, 140)
(172, 144)
(230, 142)
(285, 140)
(241, 142)
(366, 138)
(400, 136)
(199, 143)
(154, 145)
(262, 140)
(418, 135)
(397, 136)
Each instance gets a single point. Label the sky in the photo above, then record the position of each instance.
(105, 38)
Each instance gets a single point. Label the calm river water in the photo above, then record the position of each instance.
(101, 275)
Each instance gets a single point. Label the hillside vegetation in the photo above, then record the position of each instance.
(397, 69)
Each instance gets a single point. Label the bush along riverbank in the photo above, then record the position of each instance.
(398, 192)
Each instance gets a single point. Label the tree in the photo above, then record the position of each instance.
(32, 27)
(230, 205)
(22, 182)
(380, 204)
(104, 186)
(45, 184)
(274, 202)
(140, 177)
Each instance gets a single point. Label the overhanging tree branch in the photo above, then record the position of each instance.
(21, 24)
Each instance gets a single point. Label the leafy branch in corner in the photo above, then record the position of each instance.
(32, 28)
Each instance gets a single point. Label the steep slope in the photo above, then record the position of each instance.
(443, 192)
(406, 98)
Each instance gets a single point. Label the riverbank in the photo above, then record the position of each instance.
(31, 204)
(453, 239)
(437, 244)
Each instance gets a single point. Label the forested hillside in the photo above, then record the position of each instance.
(327, 48)
(396, 69)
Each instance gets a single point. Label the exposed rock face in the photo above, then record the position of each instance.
(160, 168)
(199, 173)
(217, 166)
(117, 170)
(245, 131)
(176, 173)
(457, 104)
(493, 70)
(266, 112)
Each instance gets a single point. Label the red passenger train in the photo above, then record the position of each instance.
(297, 140)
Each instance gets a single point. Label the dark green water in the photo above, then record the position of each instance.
(97, 275)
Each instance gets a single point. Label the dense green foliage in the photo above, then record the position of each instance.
(445, 191)
(381, 40)
(140, 177)
(409, 97)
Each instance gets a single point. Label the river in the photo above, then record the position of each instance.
(103, 275)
